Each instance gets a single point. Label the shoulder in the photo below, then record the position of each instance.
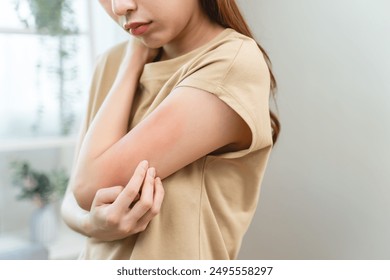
(230, 54)
(229, 61)
(234, 69)
(243, 53)
(234, 40)
(232, 45)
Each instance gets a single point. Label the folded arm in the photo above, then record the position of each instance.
(188, 124)
(117, 212)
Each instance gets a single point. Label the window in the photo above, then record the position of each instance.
(44, 67)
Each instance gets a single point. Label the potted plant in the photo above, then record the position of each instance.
(43, 188)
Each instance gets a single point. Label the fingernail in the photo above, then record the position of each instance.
(144, 163)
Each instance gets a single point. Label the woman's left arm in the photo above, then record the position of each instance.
(188, 124)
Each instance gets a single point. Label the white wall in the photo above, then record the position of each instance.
(326, 194)
(105, 32)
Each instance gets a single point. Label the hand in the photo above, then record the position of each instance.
(118, 212)
(142, 51)
(138, 54)
(135, 57)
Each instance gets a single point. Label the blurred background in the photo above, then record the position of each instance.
(326, 194)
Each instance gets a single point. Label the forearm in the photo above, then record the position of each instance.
(75, 217)
(110, 217)
(111, 122)
(109, 126)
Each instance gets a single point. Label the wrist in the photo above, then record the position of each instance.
(131, 67)
(86, 225)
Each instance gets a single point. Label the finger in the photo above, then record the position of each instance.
(145, 202)
(107, 195)
(157, 202)
(135, 200)
(131, 190)
(159, 194)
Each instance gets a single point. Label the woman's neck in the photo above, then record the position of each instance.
(197, 33)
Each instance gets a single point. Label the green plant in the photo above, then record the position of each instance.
(55, 19)
(39, 186)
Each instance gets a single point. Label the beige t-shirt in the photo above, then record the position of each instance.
(210, 203)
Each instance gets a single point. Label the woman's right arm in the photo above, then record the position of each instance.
(72, 214)
(75, 217)
(107, 219)
(117, 212)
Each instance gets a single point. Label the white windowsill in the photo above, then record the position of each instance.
(36, 143)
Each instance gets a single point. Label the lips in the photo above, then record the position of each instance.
(137, 28)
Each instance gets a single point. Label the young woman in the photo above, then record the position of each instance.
(187, 103)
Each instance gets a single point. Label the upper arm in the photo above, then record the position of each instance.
(188, 124)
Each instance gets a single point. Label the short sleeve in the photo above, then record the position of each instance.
(237, 73)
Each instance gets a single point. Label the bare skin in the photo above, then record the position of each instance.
(171, 137)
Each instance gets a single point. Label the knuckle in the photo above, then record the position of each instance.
(146, 204)
(99, 193)
(142, 208)
(142, 227)
(131, 192)
(124, 229)
(155, 210)
(112, 219)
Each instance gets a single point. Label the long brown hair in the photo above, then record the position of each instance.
(227, 14)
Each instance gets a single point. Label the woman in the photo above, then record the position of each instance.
(186, 103)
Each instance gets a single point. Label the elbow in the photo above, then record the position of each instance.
(64, 210)
(68, 211)
(83, 195)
